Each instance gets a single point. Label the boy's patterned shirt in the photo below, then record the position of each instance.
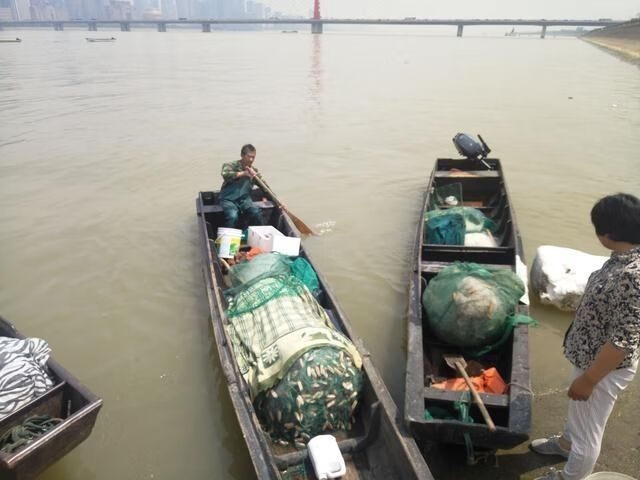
(609, 312)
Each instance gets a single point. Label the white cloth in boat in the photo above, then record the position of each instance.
(23, 372)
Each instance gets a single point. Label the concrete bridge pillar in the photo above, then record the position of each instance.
(460, 27)
(544, 31)
(125, 27)
(58, 26)
(206, 27)
(316, 27)
(162, 27)
(93, 27)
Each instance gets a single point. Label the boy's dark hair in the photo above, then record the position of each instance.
(246, 149)
(618, 217)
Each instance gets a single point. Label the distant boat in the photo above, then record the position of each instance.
(112, 39)
(289, 31)
(512, 33)
(10, 40)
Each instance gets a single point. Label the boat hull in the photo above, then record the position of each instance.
(511, 412)
(381, 448)
(69, 400)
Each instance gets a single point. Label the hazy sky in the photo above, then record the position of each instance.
(578, 9)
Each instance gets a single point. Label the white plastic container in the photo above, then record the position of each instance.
(608, 476)
(326, 457)
(270, 239)
(228, 242)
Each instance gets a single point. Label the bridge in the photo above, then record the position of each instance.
(316, 23)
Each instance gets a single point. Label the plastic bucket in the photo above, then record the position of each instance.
(608, 476)
(228, 242)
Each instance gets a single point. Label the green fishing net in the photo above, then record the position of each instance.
(445, 230)
(475, 220)
(271, 265)
(263, 265)
(469, 306)
(318, 393)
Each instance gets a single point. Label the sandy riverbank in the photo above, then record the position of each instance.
(624, 39)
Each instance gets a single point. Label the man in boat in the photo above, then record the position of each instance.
(603, 342)
(235, 194)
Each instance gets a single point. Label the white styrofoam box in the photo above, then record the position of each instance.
(262, 237)
(270, 239)
(286, 245)
(326, 457)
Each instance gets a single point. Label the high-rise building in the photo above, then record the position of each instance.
(169, 9)
(19, 9)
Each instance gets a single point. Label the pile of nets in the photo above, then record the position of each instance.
(450, 226)
(470, 306)
(273, 264)
(318, 393)
(303, 375)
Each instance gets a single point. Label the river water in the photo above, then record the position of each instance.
(104, 146)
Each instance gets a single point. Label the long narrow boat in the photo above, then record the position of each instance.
(68, 400)
(484, 189)
(381, 448)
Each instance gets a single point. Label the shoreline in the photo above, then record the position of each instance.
(622, 39)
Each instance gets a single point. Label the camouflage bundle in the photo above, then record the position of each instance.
(318, 393)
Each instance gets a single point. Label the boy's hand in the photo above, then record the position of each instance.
(581, 388)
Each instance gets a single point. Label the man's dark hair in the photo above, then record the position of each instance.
(618, 217)
(246, 149)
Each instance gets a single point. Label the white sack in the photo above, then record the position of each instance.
(559, 275)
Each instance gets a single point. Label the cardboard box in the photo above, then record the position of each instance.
(270, 239)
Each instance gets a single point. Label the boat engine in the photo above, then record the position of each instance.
(468, 147)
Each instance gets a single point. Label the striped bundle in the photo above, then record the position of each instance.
(23, 372)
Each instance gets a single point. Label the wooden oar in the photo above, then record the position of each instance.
(457, 362)
(300, 225)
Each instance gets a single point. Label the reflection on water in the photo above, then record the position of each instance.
(102, 152)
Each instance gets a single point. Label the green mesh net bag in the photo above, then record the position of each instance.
(448, 229)
(318, 393)
(475, 221)
(470, 306)
(271, 265)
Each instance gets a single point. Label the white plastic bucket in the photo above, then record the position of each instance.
(608, 476)
(228, 242)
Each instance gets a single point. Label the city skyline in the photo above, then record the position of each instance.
(210, 9)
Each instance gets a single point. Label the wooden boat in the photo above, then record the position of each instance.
(111, 39)
(10, 40)
(379, 447)
(69, 400)
(485, 190)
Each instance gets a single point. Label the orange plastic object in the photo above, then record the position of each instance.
(254, 252)
(489, 382)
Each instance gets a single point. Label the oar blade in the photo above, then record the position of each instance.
(302, 227)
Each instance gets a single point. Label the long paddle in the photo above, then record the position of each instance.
(457, 362)
(300, 225)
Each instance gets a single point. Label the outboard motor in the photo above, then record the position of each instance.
(469, 148)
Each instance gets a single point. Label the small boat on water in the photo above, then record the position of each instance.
(483, 187)
(378, 447)
(67, 400)
(110, 39)
(289, 31)
(10, 40)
